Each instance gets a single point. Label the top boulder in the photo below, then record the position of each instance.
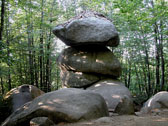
(89, 28)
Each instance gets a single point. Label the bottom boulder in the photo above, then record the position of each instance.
(41, 121)
(64, 105)
(157, 102)
(116, 95)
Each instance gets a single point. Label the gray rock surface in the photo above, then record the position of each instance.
(65, 105)
(157, 102)
(77, 79)
(21, 95)
(100, 61)
(89, 28)
(41, 121)
(116, 95)
(104, 120)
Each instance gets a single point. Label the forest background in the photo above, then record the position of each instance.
(28, 48)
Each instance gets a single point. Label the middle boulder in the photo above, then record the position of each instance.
(100, 61)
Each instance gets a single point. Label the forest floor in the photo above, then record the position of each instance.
(153, 119)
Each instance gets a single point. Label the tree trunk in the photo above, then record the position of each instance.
(147, 63)
(2, 19)
(57, 77)
(137, 77)
(30, 56)
(2, 87)
(8, 50)
(162, 59)
(48, 63)
(125, 76)
(157, 50)
(157, 57)
(1, 32)
(30, 44)
(20, 67)
(41, 49)
(129, 75)
(36, 70)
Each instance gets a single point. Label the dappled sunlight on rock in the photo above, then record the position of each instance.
(116, 96)
(97, 85)
(40, 103)
(149, 104)
(99, 62)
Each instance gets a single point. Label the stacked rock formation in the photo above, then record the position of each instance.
(88, 61)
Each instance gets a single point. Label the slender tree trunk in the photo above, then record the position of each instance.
(48, 64)
(157, 57)
(125, 77)
(147, 63)
(20, 67)
(1, 32)
(148, 72)
(145, 81)
(30, 44)
(2, 18)
(35, 69)
(8, 50)
(137, 77)
(2, 87)
(157, 50)
(30, 57)
(48, 69)
(129, 75)
(162, 59)
(41, 49)
(26, 70)
(57, 77)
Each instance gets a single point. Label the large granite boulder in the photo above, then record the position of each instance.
(116, 95)
(89, 28)
(100, 61)
(64, 105)
(21, 95)
(77, 79)
(41, 121)
(157, 102)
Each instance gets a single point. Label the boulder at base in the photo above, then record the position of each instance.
(77, 79)
(158, 101)
(64, 105)
(41, 121)
(21, 95)
(89, 28)
(100, 61)
(116, 95)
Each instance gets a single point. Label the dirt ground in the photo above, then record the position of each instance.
(153, 119)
